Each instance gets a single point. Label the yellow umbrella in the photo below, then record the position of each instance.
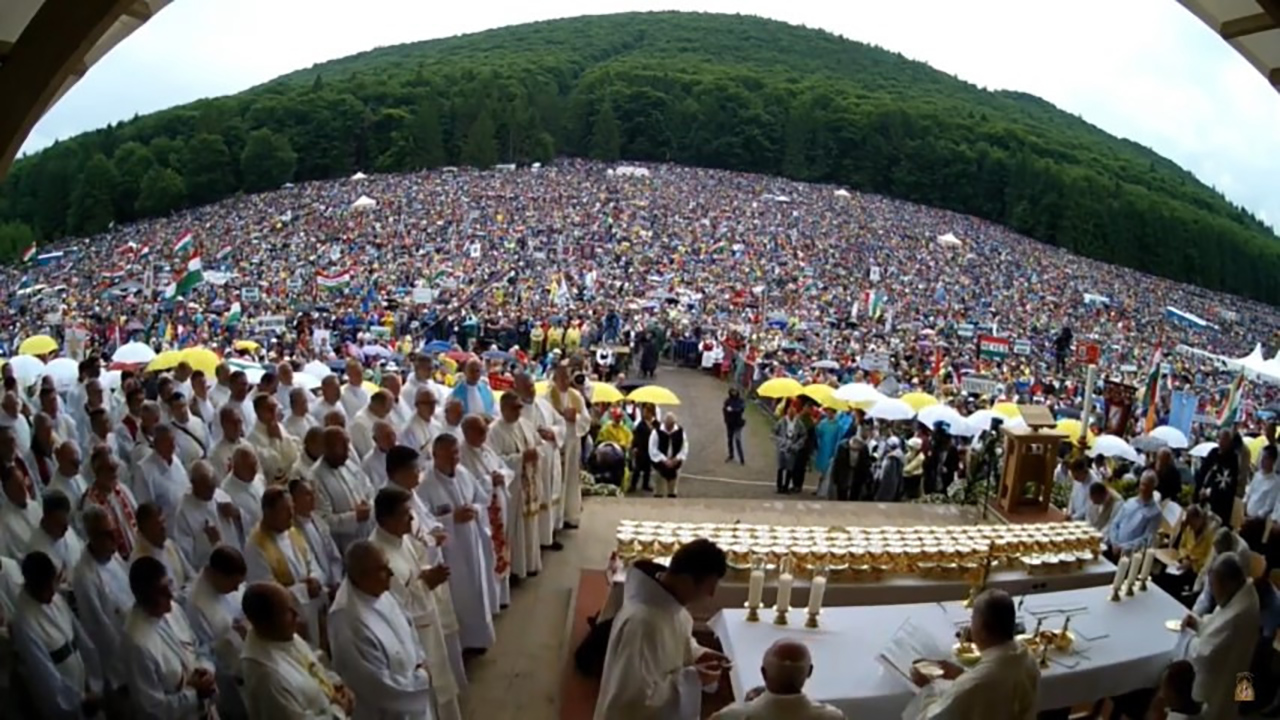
(247, 346)
(605, 393)
(1071, 428)
(784, 387)
(202, 359)
(542, 387)
(449, 363)
(166, 360)
(1006, 409)
(824, 395)
(919, 400)
(38, 345)
(1255, 445)
(369, 387)
(655, 394)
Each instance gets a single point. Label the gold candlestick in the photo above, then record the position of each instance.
(779, 616)
(981, 584)
(1115, 593)
(812, 621)
(1044, 655)
(1128, 589)
(753, 614)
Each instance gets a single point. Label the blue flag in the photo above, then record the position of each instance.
(1182, 409)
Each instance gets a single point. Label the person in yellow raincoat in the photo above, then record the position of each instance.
(536, 337)
(614, 428)
(555, 338)
(572, 339)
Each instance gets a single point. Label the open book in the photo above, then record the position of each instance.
(910, 643)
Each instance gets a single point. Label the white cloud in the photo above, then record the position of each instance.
(1142, 69)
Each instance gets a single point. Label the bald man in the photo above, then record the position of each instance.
(330, 399)
(361, 424)
(374, 462)
(473, 392)
(344, 494)
(787, 665)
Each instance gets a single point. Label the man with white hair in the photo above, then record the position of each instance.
(206, 518)
(787, 665)
(276, 449)
(1224, 640)
(423, 427)
(330, 399)
(300, 419)
(374, 463)
(361, 426)
(668, 448)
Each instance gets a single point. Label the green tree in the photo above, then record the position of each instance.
(268, 161)
(162, 192)
(207, 169)
(427, 136)
(132, 162)
(479, 149)
(15, 238)
(92, 206)
(606, 139)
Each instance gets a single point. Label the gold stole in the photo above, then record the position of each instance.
(275, 558)
(530, 502)
(557, 401)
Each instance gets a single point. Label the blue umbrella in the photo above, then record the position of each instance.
(497, 355)
(436, 346)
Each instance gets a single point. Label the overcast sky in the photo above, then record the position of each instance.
(1143, 69)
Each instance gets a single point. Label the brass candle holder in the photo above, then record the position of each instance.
(1115, 593)
(811, 621)
(983, 574)
(1044, 656)
(753, 614)
(779, 616)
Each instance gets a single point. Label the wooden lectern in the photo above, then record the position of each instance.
(1030, 458)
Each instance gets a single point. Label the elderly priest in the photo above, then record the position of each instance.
(1224, 640)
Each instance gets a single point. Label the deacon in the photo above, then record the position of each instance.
(460, 504)
(570, 405)
(374, 646)
(191, 432)
(493, 475)
(278, 551)
(276, 449)
(414, 579)
(514, 440)
(344, 492)
(216, 620)
(283, 678)
(103, 600)
(551, 431)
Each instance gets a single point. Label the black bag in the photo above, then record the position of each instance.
(589, 657)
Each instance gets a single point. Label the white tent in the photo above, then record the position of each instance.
(359, 176)
(949, 240)
(364, 203)
(632, 171)
(842, 193)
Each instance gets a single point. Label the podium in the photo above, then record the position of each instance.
(1030, 458)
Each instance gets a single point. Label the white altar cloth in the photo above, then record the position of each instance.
(849, 674)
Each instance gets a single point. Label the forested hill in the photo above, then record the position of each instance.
(711, 90)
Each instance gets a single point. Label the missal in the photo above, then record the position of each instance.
(910, 643)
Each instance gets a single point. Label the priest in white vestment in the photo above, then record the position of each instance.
(10, 588)
(514, 440)
(414, 580)
(494, 477)
(324, 551)
(571, 406)
(69, 479)
(56, 658)
(218, 623)
(168, 679)
(1224, 640)
(460, 504)
(161, 478)
(278, 551)
(11, 417)
(232, 439)
(451, 418)
(354, 397)
(206, 518)
(300, 419)
(19, 514)
(330, 399)
(423, 378)
(312, 451)
(55, 538)
(343, 492)
(400, 413)
(653, 667)
(103, 598)
(1005, 683)
(276, 449)
(191, 433)
(244, 485)
(375, 648)
(108, 493)
(202, 406)
(551, 430)
(153, 540)
(423, 427)
(374, 462)
(283, 678)
(787, 666)
(361, 425)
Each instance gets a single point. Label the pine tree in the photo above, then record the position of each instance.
(606, 136)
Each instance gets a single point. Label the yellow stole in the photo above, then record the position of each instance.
(275, 557)
(557, 399)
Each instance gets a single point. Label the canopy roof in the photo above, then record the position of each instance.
(1252, 27)
(46, 46)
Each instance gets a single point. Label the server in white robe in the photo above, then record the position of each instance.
(300, 419)
(169, 679)
(206, 518)
(551, 431)
(414, 580)
(343, 492)
(494, 477)
(374, 646)
(277, 450)
(244, 485)
(19, 514)
(55, 538)
(1005, 683)
(374, 463)
(278, 551)
(1224, 640)
(56, 657)
(514, 440)
(653, 668)
(283, 677)
(570, 405)
(324, 551)
(232, 438)
(218, 623)
(460, 504)
(103, 600)
(191, 433)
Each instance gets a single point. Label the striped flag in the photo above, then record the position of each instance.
(1231, 408)
(333, 281)
(183, 243)
(233, 317)
(1152, 390)
(29, 254)
(223, 253)
(874, 300)
(192, 276)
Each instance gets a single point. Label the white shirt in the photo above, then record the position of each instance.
(322, 407)
(656, 455)
(1261, 494)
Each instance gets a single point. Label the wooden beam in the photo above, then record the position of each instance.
(1272, 8)
(139, 11)
(52, 47)
(1247, 25)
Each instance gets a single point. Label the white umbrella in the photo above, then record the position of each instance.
(858, 392)
(891, 409)
(1114, 446)
(981, 420)
(1171, 435)
(305, 381)
(27, 369)
(133, 353)
(317, 370)
(1202, 450)
(935, 414)
(109, 380)
(64, 371)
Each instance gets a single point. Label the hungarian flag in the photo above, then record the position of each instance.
(223, 253)
(188, 280)
(233, 317)
(114, 274)
(29, 253)
(1231, 408)
(333, 281)
(1152, 390)
(874, 300)
(183, 243)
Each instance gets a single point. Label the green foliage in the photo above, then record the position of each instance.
(268, 161)
(92, 210)
(711, 90)
(15, 237)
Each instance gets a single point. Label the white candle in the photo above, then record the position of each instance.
(1135, 566)
(784, 592)
(755, 589)
(1147, 561)
(1121, 570)
(817, 589)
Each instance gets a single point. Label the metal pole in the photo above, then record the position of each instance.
(1088, 405)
